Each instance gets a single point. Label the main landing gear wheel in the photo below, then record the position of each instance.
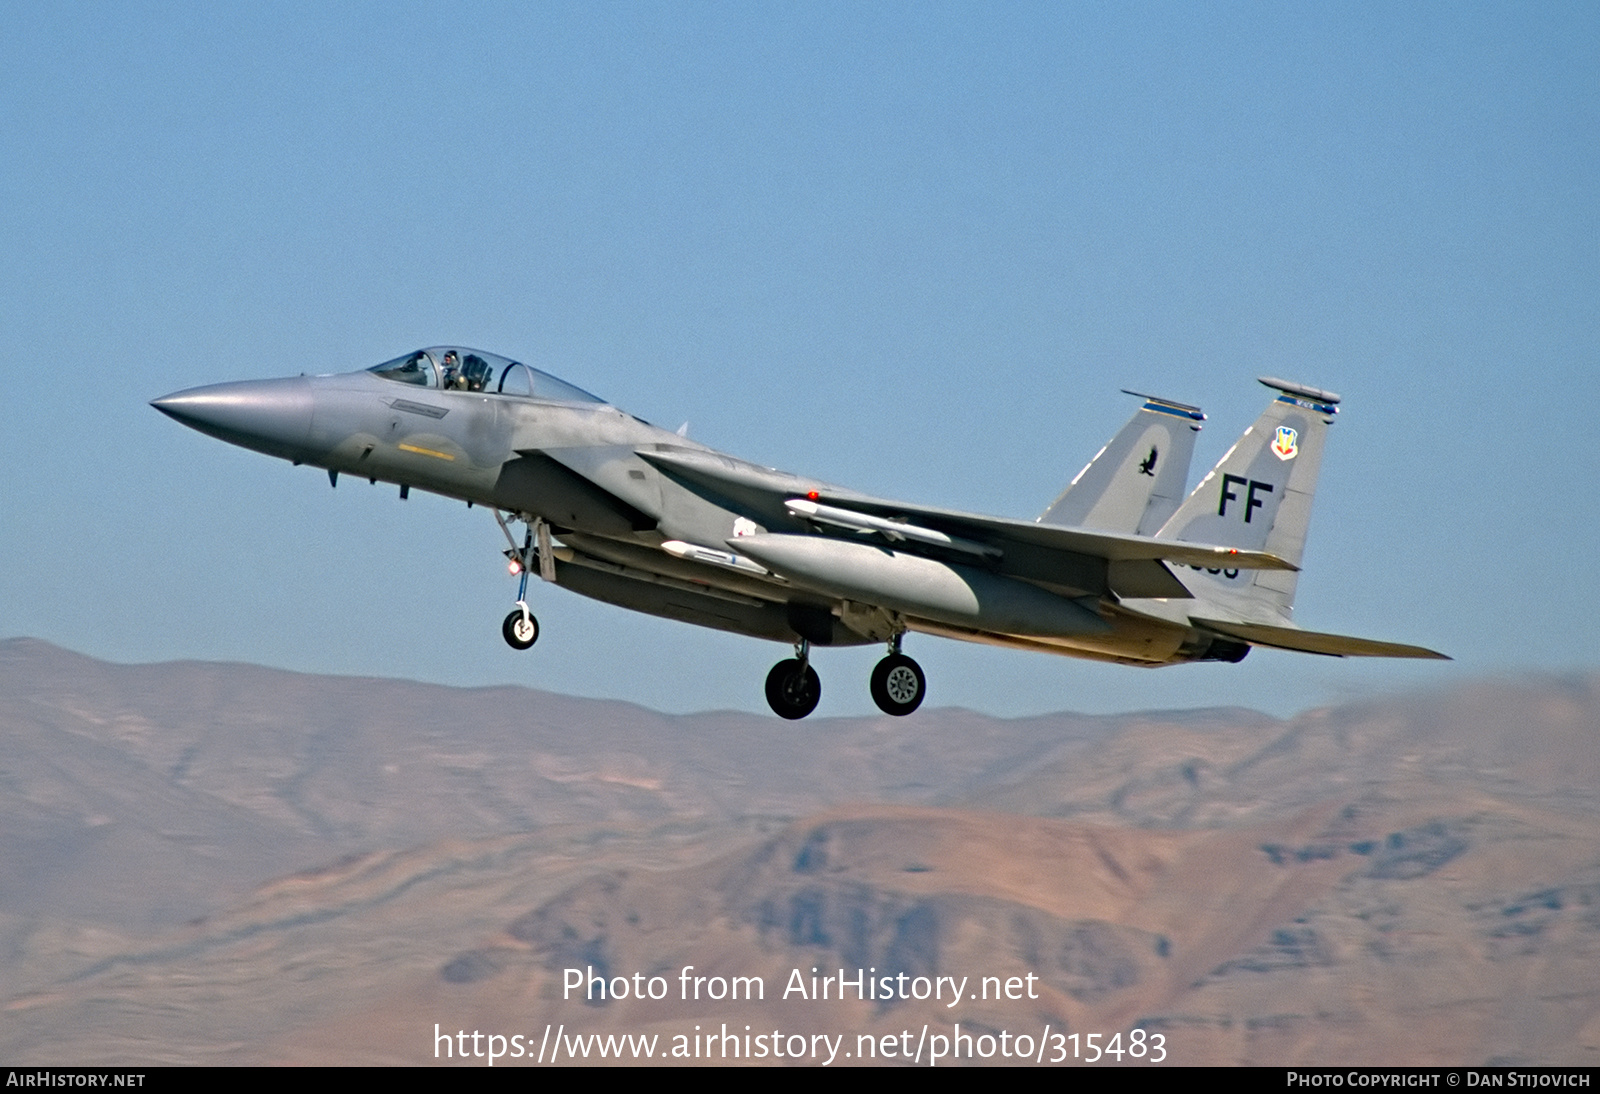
(898, 685)
(521, 629)
(793, 689)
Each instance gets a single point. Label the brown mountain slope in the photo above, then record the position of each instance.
(1413, 879)
(1330, 939)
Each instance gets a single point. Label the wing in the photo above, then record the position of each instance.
(1067, 558)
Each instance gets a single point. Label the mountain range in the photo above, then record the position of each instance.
(222, 863)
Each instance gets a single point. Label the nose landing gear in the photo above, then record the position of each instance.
(520, 628)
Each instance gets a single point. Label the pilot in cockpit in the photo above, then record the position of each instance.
(451, 368)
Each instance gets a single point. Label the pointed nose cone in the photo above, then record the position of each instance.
(271, 416)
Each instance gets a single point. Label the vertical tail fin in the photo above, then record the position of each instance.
(1259, 498)
(1135, 483)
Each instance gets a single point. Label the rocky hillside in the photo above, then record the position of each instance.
(221, 863)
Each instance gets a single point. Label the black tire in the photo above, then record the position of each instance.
(515, 634)
(793, 689)
(898, 685)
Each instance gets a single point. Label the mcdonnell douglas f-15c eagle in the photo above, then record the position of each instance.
(1122, 567)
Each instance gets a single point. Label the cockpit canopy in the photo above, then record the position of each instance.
(456, 368)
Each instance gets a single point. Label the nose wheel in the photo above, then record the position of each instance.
(793, 686)
(520, 629)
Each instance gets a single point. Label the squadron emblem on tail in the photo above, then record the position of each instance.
(1286, 445)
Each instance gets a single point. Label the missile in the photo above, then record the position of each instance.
(962, 596)
(893, 529)
(677, 548)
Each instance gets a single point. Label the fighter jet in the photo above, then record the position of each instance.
(1122, 567)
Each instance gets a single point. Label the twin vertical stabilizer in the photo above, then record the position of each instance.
(1136, 482)
(1259, 498)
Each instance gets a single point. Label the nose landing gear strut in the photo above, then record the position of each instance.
(520, 628)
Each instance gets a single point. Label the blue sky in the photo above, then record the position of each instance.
(915, 249)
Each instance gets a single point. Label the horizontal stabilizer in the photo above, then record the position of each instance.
(1331, 645)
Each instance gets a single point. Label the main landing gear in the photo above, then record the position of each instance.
(793, 687)
(897, 684)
